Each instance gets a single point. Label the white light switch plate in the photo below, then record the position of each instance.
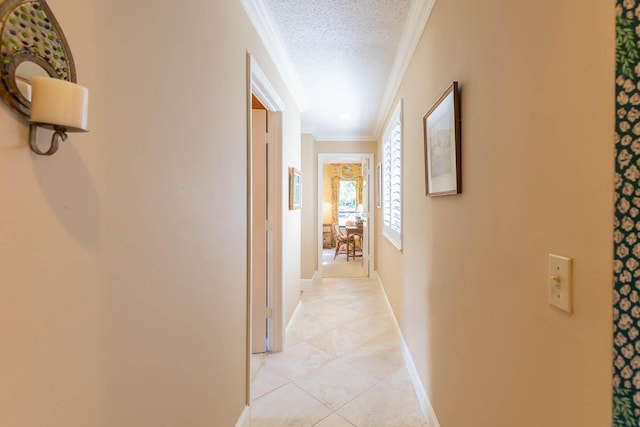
(559, 282)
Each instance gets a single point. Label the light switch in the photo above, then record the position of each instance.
(559, 282)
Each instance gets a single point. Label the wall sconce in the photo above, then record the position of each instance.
(59, 105)
(37, 72)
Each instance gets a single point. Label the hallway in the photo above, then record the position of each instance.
(342, 366)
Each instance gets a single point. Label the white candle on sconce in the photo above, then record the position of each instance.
(59, 103)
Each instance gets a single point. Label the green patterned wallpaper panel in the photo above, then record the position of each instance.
(626, 310)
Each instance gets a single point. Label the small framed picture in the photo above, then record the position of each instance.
(442, 151)
(378, 185)
(295, 189)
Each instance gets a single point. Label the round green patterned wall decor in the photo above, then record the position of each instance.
(29, 32)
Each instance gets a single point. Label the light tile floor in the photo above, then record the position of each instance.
(340, 267)
(342, 365)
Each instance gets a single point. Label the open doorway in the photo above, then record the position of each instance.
(260, 245)
(265, 314)
(345, 215)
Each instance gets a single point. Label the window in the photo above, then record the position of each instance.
(392, 179)
(347, 201)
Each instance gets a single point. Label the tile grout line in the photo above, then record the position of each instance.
(369, 340)
(338, 296)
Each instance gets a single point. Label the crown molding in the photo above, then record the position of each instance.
(262, 88)
(350, 138)
(270, 36)
(411, 35)
(344, 138)
(310, 131)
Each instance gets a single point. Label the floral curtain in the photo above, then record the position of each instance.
(335, 195)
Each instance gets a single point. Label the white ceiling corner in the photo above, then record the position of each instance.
(411, 35)
(270, 36)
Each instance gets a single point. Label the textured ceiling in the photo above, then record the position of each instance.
(342, 52)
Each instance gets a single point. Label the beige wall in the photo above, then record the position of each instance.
(123, 278)
(309, 252)
(292, 221)
(469, 288)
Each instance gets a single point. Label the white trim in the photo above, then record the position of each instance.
(317, 276)
(423, 398)
(249, 230)
(275, 292)
(306, 284)
(310, 131)
(411, 35)
(350, 138)
(394, 236)
(346, 138)
(270, 36)
(245, 418)
(293, 316)
(263, 90)
(324, 158)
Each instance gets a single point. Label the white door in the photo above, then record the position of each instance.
(259, 219)
(367, 216)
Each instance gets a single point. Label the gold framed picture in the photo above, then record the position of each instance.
(442, 152)
(295, 189)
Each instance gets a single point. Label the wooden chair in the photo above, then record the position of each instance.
(356, 238)
(342, 240)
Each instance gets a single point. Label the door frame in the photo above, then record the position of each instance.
(259, 85)
(348, 157)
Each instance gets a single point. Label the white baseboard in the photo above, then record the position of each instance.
(423, 399)
(293, 316)
(317, 276)
(245, 418)
(306, 284)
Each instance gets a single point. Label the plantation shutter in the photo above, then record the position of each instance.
(392, 179)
